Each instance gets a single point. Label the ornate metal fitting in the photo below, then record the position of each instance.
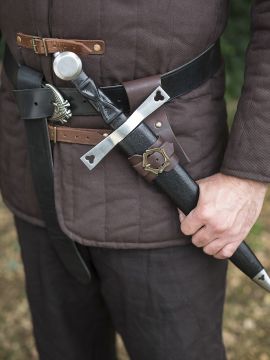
(149, 167)
(61, 106)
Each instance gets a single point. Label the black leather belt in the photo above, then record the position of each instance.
(37, 103)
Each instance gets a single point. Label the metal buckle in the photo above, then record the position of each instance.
(148, 167)
(61, 106)
(45, 46)
(34, 45)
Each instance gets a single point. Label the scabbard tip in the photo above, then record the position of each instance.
(263, 280)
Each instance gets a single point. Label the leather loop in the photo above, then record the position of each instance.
(158, 122)
(137, 91)
(45, 46)
(161, 157)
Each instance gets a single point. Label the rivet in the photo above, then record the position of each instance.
(97, 47)
(19, 39)
(105, 134)
(158, 124)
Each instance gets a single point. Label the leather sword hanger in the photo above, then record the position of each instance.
(68, 66)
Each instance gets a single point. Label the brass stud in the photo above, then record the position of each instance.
(158, 124)
(19, 39)
(97, 47)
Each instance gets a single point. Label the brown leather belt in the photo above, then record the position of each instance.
(76, 135)
(45, 46)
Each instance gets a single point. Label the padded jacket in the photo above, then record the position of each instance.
(112, 206)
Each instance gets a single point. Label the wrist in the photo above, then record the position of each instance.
(252, 183)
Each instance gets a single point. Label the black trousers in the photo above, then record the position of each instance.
(166, 303)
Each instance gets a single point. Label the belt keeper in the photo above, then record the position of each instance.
(55, 134)
(33, 42)
(34, 45)
(45, 46)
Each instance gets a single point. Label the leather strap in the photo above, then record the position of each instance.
(76, 135)
(176, 82)
(162, 154)
(38, 103)
(46, 46)
(42, 172)
(137, 91)
(159, 123)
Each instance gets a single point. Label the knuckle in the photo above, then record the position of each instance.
(204, 213)
(219, 257)
(234, 231)
(226, 252)
(195, 241)
(185, 229)
(200, 239)
(208, 250)
(219, 227)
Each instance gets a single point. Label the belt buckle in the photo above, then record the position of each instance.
(61, 106)
(34, 45)
(148, 167)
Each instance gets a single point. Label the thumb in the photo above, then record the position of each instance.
(181, 215)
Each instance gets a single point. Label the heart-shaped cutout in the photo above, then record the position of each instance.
(158, 96)
(90, 158)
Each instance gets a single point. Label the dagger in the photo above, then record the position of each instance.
(68, 66)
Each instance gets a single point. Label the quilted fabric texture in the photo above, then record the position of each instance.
(112, 206)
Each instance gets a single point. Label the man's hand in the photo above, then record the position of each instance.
(227, 209)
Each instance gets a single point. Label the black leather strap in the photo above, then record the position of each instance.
(192, 74)
(42, 172)
(37, 103)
